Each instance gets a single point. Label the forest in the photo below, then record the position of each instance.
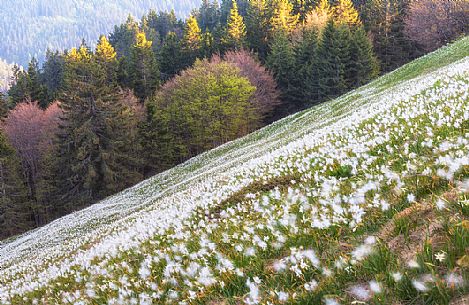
(55, 25)
(155, 92)
(6, 72)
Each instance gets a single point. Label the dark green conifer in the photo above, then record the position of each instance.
(144, 70)
(15, 207)
(281, 61)
(170, 57)
(333, 55)
(307, 91)
(363, 65)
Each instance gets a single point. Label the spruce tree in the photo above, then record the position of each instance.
(3, 106)
(384, 20)
(19, 90)
(35, 87)
(363, 65)
(333, 55)
(307, 89)
(144, 70)
(225, 7)
(236, 30)
(257, 27)
(52, 75)
(170, 56)
(93, 143)
(123, 37)
(15, 207)
(302, 8)
(208, 46)
(164, 23)
(208, 15)
(281, 61)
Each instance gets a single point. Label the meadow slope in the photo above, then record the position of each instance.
(361, 199)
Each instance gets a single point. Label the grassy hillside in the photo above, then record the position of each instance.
(362, 199)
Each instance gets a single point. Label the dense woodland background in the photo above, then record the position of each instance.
(155, 92)
(6, 73)
(32, 27)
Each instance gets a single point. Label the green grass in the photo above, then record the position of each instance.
(310, 215)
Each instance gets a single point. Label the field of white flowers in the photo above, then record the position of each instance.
(361, 200)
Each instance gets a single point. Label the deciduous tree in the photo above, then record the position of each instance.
(433, 23)
(266, 97)
(203, 107)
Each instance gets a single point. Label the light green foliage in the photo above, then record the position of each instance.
(300, 208)
(204, 107)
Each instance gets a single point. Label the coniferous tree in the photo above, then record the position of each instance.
(104, 50)
(35, 87)
(52, 75)
(345, 13)
(281, 61)
(384, 20)
(164, 23)
(192, 41)
(3, 106)
(192, 34)
(257, 27)
(319, 16)
(144, 70)
(123, 37)
(225, 8)
(208, 46)
(363, 65)
(236, 30)
(208, 15)
(302, 8)
(19, 90)
(307, 89)
(398, 48)
(93, 141)
(106, 56)
(170, 56)
(333, 55)
(15, 216)
(151, 34)
(282, 16)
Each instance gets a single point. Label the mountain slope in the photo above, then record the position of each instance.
(310, 209)
(6, 72)
(28, 28)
